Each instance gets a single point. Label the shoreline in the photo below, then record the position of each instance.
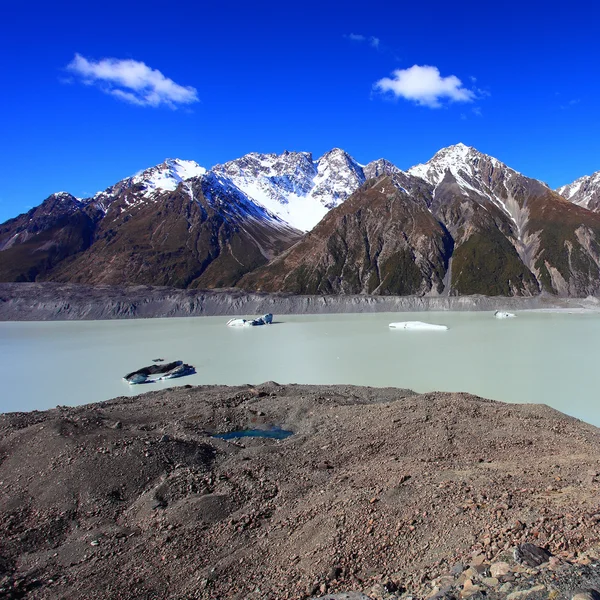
(68, 302)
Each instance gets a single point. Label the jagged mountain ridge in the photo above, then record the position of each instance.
(298, 188)
(497, 231)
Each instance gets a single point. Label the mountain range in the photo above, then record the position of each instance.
(462, 223)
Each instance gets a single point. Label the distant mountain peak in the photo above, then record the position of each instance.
(65, 196)
(168, 175)
(584, 191)
(381, 166)
(459, 159)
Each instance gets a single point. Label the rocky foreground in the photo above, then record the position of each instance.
(380, 492)
(65, 302)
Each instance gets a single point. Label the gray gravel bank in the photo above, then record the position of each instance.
(57, 302)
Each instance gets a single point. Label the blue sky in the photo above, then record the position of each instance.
(517, 80)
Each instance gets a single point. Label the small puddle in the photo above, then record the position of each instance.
(275, 433)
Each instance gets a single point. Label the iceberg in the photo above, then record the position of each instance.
(418, 325)
(170, 370)
(264, 320)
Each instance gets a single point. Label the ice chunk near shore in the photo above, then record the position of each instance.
(170, 370)
(503, 315)
(418, 325)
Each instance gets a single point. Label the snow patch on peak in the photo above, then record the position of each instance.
(167, 176)
(293, 186)
(185, 169)
(65, 196)
(461, 160)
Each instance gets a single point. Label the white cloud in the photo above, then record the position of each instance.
(356, 37)
(370, 39)
(132, 81)
(425, 86)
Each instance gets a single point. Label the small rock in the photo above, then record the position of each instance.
(324, 465)
(531, 555)
(469, 589)
(118, 425)
(470, 573)
(490, 581)
(478, 560)
(554, 562)
(499, 569)
(94, 543)
(587, 595)
(521, 594)
(457, 569)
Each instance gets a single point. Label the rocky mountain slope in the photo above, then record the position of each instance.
(33, 244)
(174, 224)
(382, 240)
(512, 234)
(462, 223)
(584, 191)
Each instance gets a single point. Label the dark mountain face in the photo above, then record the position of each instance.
(381, 240)
(33, 244)
(490, 231)
(201, 234)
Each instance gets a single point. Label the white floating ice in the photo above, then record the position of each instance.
(418, 325)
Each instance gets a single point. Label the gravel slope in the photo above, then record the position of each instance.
(57, 302)
(378, 490)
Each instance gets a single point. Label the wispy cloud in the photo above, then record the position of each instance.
(570, 103)
(373, 41)
(132, 81)
(425, 86)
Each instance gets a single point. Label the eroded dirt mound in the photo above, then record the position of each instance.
(133, 497)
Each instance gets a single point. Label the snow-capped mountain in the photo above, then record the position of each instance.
(584, 191)
(461, 223)
(293, 186)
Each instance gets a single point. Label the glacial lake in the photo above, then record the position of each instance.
(550, 358)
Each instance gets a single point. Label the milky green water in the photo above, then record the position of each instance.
(551, 358)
